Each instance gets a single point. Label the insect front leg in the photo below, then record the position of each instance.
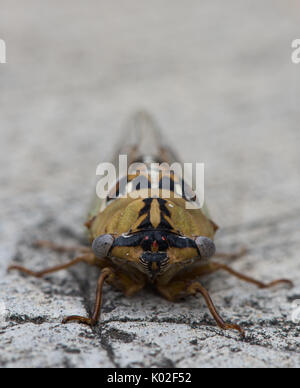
(197, 287)
(61, 248)
(180, 288)
(232, 256)
(105, 273)
(213, 267)
(88, 258)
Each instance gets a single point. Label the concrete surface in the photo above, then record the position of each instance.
(219, 78)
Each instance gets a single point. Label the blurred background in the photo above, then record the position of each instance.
(219, 79)
(217, 76)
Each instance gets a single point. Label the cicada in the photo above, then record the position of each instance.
(144, 233)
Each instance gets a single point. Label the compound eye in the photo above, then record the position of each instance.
(206, 247)
(102, 245)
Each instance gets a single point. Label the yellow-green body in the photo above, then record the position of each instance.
(122, 216)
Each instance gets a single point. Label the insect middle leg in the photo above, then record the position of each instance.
(213, 267)
(88, 258)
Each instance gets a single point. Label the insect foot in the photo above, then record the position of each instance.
(83, 320)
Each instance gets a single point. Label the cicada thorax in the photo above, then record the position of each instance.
(147, 216)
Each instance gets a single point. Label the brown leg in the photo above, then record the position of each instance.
(219, 266)
(105, 273)
(87, 258)
(232, 256)
(196, 287)
(61, 248)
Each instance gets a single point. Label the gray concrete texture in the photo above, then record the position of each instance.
(219, 78)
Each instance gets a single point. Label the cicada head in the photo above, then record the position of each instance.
(153, 252)
(152, 235)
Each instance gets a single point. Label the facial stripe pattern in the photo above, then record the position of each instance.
(154, 230)
(146, 239)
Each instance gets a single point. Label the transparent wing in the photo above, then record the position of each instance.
(143, 142)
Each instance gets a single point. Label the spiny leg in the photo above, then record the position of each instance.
(105, 273)
(87, 258)
(197, 287)
(61, 248)
(218, 266)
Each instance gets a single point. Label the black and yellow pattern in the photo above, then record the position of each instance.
(149, 235)
(153, 235)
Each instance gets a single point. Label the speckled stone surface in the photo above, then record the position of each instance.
(219, 79)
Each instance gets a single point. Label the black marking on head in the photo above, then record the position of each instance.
(164, 211)
(146, 224)
(181, 242)
(145, 239)
(164, 224)
(147, 207)
(163, 207)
